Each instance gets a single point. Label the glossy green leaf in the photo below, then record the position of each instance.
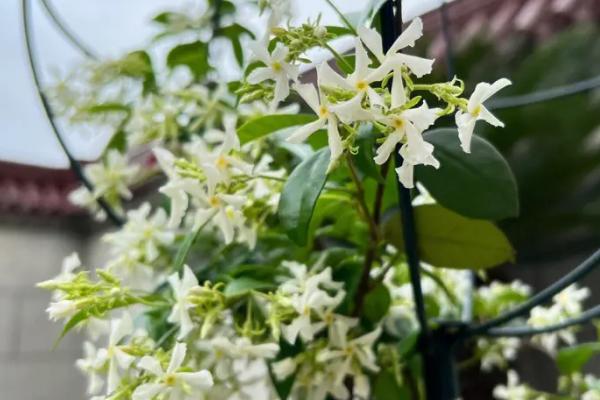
(377, 303)
(573, 359)
(387, 387)
(262, 126)
(447, 239)
(192, 55)
(300, 194)
(243, 285)
(476, 185)
(348, 272)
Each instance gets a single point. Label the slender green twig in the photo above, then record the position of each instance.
(441, 285)
(342, 17)
(338, 56)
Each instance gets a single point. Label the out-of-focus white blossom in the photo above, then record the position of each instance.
(171, 382)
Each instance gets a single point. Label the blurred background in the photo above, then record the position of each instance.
(553, 148)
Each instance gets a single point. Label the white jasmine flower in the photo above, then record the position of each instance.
(69, 264)
(541, 317)
(277, 69)
(224, 209)
(177, 188)
(497, 352)
(284, 368)
(311, 300)
(319, 104)
(417, 65)
(359, 82)
(62, 309)
(116, 357)
(91, 365)
(181, 291)
(513, 390)
(409, 125)
(132, 271)
(220, 158)
(570, 299)
(113, 175)
(303, 280)
(82, 197)
(144, 232)
(280, 9)
(170, 383)
(351, 357)
(465, 121)
(359, 350)
(223, 353)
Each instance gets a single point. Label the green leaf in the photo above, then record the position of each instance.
(138, 64)
(338, 31)
(243, 285)
(348, 272)
(386, 387)
(377, 303)
(109, 107)
(572, 359)
(117, 142)
(193, 55)
(447, 239)
(300, 194)
(72, 323)
(261, 126)
(408, 345)
(477, 185)
(233, 33)
(183, 251)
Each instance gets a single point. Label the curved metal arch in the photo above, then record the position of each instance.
(74, 164)
(67, 32)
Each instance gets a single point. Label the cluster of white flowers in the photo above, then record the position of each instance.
(566, 304)
(112, 178)
(311, 297)
(355, 98)
(219, 185)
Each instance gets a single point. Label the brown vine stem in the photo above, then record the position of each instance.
(371, 254)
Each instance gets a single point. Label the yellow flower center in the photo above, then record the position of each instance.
(214, 201)
(276, 66)
(230, 212)
(221, 162)
(170, 380)
(398, 123)
(349, 350)
(323, 111)
(476, 111)
(362, 85)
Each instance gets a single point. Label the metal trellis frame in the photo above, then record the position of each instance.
(437, 345)
(75, 165)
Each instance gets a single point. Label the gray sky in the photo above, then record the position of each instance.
(110, 27)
